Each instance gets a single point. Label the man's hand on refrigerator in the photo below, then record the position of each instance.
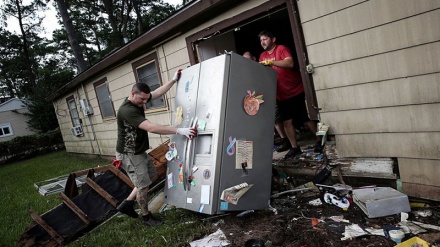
(177, 75)
(188, 132)
(268, 62)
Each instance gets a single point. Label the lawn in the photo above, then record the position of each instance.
(18, 196)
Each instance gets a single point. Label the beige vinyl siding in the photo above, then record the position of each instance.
(377, 80)
(17, 120)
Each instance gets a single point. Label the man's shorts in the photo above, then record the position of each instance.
(140, 168)
(277, 115)
(294, 108)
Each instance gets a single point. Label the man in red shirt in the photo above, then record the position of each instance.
(290, 91)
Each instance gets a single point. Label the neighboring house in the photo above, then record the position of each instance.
(13, 121)
(376, 78)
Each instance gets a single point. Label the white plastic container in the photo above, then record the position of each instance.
(396, 235)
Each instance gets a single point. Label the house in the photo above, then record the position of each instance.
(371, 70)
(13, 121)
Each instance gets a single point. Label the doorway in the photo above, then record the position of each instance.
(240, 34)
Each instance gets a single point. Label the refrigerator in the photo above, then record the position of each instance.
(228, 166)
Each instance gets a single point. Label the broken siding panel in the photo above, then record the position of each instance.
(419, 60)
(421, 191)
(403, 145)
(412, 31)
(419, 171)
(362, 16)
(312, 9)
(409, 118)
(409, 90)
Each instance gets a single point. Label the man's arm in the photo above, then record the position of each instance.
(166, 130)
(285, 63)
(165, 87)
(157, 128)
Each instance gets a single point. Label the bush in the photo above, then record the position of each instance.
(22, 147)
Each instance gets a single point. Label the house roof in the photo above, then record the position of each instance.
(189, 16)
(12, 104)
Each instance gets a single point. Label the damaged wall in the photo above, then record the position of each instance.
(377, 80)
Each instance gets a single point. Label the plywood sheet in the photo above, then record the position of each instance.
(419, 171)
(403, 145)
(422, 191)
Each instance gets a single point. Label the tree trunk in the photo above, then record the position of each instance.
(108, 5)
(73, 40)
(27, 60)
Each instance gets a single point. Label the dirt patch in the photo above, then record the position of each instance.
(293, 224)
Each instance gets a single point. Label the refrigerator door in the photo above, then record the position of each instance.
(253, 135)
(178, 170)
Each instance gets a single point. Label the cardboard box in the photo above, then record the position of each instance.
(381, 201)
(414, 242)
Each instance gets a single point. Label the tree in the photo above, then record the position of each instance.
(73, 39)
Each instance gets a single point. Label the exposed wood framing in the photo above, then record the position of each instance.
(75, 208)
(46, 227)
(121, 176)
(102, 192)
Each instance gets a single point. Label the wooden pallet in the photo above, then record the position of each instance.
(84, 208)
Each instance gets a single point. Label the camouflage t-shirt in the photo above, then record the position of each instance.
(131, 139)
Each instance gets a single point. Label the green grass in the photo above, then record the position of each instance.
(18, 196)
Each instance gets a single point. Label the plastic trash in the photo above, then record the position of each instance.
(337, 201)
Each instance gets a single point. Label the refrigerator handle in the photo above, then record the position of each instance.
(189, 157)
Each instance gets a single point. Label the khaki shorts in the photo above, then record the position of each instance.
(140, 168)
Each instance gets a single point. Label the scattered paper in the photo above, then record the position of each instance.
(353, 231)
(315, 202)
(216, 239)
(233, 194)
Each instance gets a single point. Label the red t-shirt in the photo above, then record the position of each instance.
(289, 82)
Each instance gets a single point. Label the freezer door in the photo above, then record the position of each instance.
(177, 169)
(210, 112)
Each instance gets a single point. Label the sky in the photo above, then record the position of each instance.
(50, 22)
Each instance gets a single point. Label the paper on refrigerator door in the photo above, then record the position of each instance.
(233, 194)
(245, 151)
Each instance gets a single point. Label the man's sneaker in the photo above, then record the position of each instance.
(150, 220)
(293, 152)
(318, 147)
(285, 146)
(127, 207)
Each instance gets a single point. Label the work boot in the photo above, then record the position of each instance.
(318, 147)
(127, 207)
(284, 146)
(150, 220)
(293, 152)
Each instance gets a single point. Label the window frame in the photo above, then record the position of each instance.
(143, 62)
(6, 125)
(98, 84)
(68, 99)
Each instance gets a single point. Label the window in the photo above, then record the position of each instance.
(146, 71)
(6, 130)
(104, 99)
(73, 111)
